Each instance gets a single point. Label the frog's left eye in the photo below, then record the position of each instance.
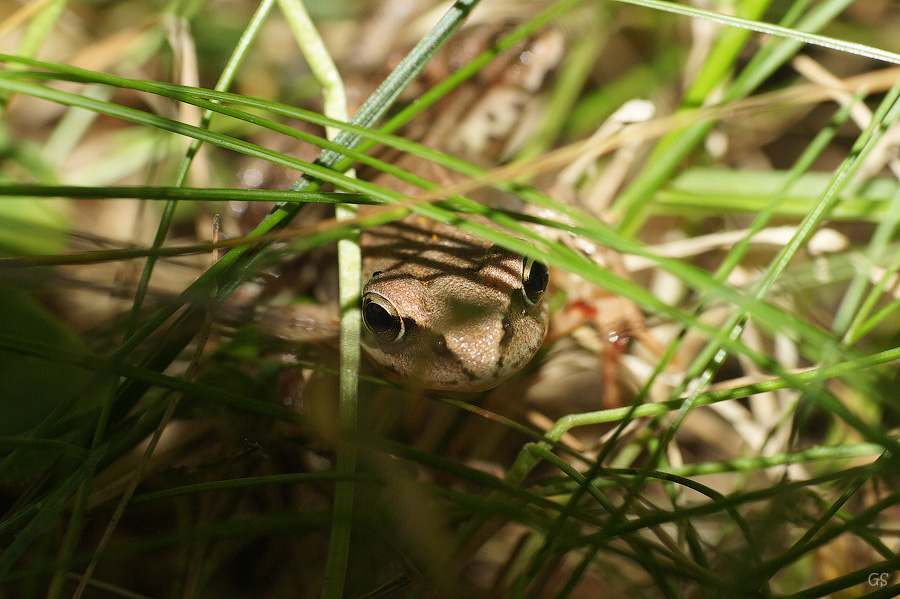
(535, 278)
(381, 317)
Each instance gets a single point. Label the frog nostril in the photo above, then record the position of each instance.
(507, 331)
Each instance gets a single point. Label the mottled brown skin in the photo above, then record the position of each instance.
(467, 323)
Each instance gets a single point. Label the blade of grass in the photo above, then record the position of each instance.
(854, 309)
(349, 267)
(703, 191)
(798, 34)
(182, 193)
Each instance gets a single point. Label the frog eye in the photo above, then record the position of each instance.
(535, 277)
(381, 317)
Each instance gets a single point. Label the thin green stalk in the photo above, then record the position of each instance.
(319, 60)
(349, 265)
(146, 192)
(41, 27)
(71, 128)
(796, 34)
(861, 329)
(850, 313)
(751, 465)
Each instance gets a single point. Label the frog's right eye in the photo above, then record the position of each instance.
(535, 278)
(381, 317)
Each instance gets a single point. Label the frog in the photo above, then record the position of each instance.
(447, 309)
